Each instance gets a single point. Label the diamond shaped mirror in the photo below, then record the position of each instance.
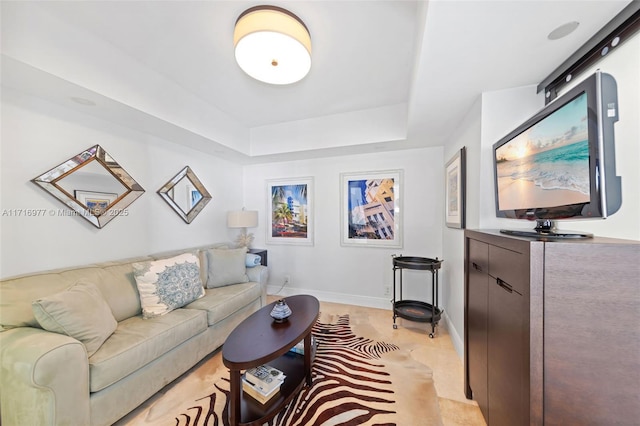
(186, 195)
(93, 185)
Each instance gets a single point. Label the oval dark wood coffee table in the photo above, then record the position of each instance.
(259, 340)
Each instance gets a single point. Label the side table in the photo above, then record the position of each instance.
(414, 310)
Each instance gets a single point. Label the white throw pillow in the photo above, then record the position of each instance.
(168, 284)
(80, 312)
(226, 267)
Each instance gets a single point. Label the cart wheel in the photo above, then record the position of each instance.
(431, 335)
(395, 326)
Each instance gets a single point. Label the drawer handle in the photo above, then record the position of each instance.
(476, 267)
(504, 285)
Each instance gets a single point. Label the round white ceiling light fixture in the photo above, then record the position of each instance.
(272, 45)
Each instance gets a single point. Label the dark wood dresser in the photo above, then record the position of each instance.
(552, 329)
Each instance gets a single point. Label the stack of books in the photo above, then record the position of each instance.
(262, 383)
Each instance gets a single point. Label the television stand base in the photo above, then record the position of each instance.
(546, 229)
(546, 235)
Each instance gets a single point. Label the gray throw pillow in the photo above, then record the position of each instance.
(226, 267)
(80, 312)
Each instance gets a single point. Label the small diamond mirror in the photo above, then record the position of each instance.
(186, 195)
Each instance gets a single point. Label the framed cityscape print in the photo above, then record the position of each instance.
(290, 211)
(371, 209)
(96, 202)
(455, 187)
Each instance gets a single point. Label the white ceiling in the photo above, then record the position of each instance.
(385, 74)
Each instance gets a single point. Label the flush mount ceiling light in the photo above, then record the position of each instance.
(272, 45)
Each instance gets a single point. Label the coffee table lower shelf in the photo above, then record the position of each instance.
(253, 413)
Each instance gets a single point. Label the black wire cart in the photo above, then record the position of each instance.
(414, 310)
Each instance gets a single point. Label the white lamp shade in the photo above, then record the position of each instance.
(272, 45)
(242, 219)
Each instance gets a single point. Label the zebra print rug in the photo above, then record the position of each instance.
(356, 381)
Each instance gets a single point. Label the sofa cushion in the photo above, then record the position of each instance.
(18, 293)
(226, 267)
(168, 284)
(79, 312)
(221, 302)
(137, 342)
(120, 290)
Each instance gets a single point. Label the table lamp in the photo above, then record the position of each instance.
(243, 219)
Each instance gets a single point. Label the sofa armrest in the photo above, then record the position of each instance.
(44, 378)
(260, 274)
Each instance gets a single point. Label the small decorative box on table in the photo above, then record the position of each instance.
(414, 310)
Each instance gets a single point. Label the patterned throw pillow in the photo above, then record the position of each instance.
(168, 284)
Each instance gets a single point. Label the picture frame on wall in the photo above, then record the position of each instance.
(371, 209)
(96, 202)
(290, 214)
(194, 196)
(455, 190)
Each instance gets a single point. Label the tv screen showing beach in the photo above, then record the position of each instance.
(548, 164)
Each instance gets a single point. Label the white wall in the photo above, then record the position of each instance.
(352, 274)
(38, 135)
(381, 124)
(468, 136)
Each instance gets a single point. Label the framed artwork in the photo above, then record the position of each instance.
(371, 209)
(96, 202)
(455, 187)
(290, 211)
(194, 197)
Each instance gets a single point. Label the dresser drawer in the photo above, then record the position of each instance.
(509, 266)
(478, 256)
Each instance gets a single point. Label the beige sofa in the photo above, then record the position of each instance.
(50, 378)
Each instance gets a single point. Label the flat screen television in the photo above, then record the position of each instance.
(560, 164)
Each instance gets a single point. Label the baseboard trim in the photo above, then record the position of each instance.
(458, 344)
(328, 296)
